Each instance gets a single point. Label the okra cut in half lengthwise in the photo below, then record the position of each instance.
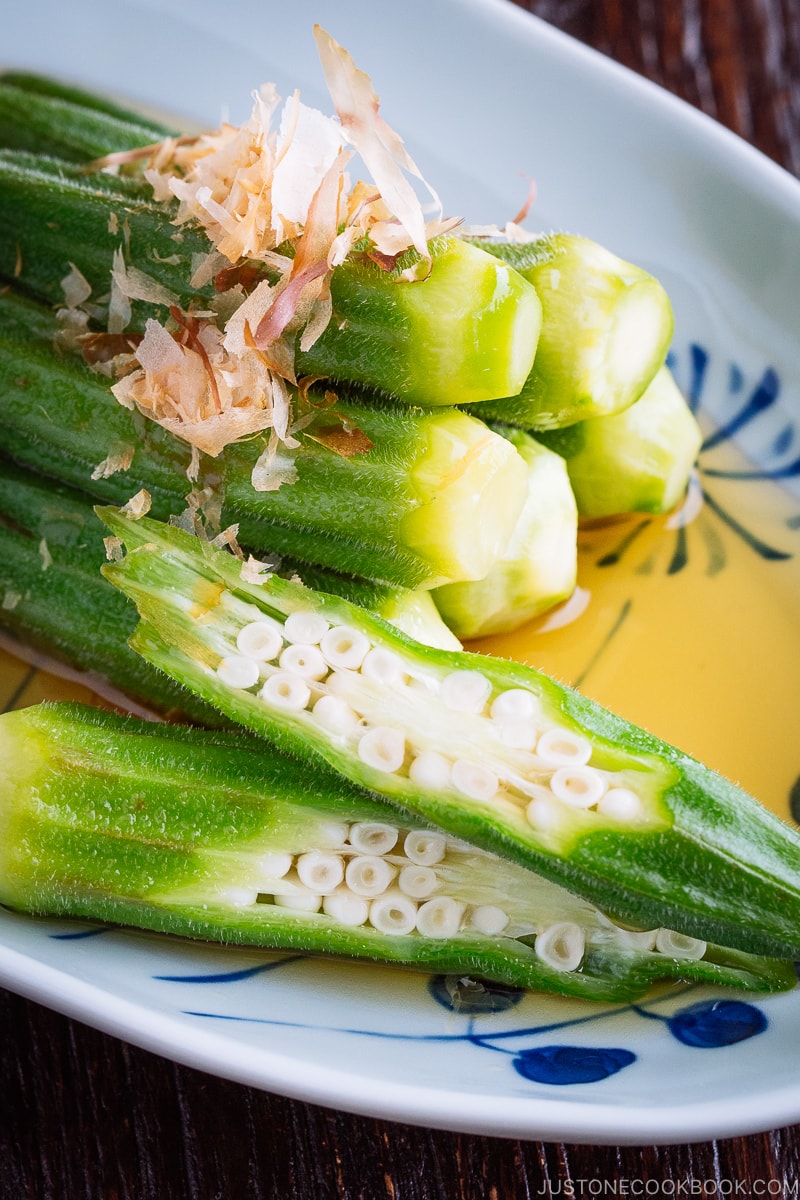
(489, 751)
(198, 834)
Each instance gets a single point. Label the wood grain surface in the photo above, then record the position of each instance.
(86, 1117)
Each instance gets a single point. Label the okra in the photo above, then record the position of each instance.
(53, 597)
(184, 832)
(467, 333)
(606, 329)
(639, 460)
(539, 567)
(490, 751)
(435, 498)
(45, 116)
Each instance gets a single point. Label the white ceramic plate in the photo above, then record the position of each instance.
(484, 96)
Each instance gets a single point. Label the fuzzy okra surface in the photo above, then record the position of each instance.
(198, 834)
(489, 750)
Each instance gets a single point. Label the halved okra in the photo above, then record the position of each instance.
(606, 329)
(52, 593)
(490, 751)
(435, 498)
(186, 832)
(638, 460)
(539, 567)
(466, 333)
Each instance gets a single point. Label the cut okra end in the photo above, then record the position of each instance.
(197, 834)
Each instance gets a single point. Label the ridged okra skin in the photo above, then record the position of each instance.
(489, 750)
(539, 567)
(467, 333)
(188, 832)
(638, 460)
(436, 498)
(606, 329)
(52, 593)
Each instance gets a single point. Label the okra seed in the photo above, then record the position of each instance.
(579, 787)
(473, 779)
(563, 748)
(541, 812)
(417, 882)
(514, 705)
(638, 939)
(307, 627)
(335, 714)
(440, 917)
(236, 671)
(320, 873)
(395, 914)
(423, 847)
(383, 665)
(430, 771)
(239, 897)
(275, 866)
(346, 908)
(383, 748)
(332, 834)
(300, 901)
(259, 640)
(371, 837)
(304, 660)
(520, 734)
(679, 945)
(488, 919)
(561, 946)
(368, 875)
(620, 803)
(465, 691)
(344, 647)
(286, 691)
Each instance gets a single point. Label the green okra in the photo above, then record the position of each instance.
(467, 333)
(193, 833)
(491, 751)
(606, 329)
(638, 460)
(52, 593)
(539, 567)
(434, 499)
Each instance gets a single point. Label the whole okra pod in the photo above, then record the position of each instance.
(193, 833)
(489, 750)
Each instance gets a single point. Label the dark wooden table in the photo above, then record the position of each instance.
(85, 1117)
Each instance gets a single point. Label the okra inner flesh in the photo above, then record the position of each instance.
(491, 751)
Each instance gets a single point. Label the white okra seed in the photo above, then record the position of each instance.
(430, 771)
(346, 908)
(620, 803)
(372, 837)
(236, 671)
(383, 748)
(542, 812)
(239, 897)
(331, 835)
(367, 875)
(417, 882)
(304, 660)
(561, 946)
(515, 705)
(425, 847)
(474, 779)
(283, 690)
(393, 914)
(383, 665)
(679, 945)
(579, 787)
(300, 901)
(563, 748)
(308, 627)
(335, 714)
(440, 917)
(260, 640)
(275, 865)
(321, 873)
(488, 919)
(637, 939)
(344, 646)
(465, 691)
